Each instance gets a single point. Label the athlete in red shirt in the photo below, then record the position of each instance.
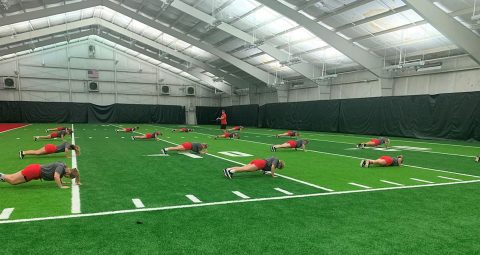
(383, 161)
(223, 120)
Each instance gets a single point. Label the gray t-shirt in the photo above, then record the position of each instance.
(271, 161)
(62, 147)
(60, 133)
(299, 143)
(197, 147)
(395, 161)
(48, 171)
(383, 140)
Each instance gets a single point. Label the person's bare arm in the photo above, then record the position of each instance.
(272, 170)
(66, 153)
(303, 147)
(58, 181)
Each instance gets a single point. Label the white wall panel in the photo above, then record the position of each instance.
(44, 76)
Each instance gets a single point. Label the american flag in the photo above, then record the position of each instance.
(92, 73)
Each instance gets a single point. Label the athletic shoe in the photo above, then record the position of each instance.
(164, 151)
(266, 172)
(35, 138)
(133, 138)
(363, 163)
(21, 154)
(272, 148)
(477, 159)
(227, 173)
(364, 145)
(46, 130)
(116, 131)
(359, 145)
(1, 178)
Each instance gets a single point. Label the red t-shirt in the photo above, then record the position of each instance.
(223, 119)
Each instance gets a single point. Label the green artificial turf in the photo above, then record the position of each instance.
(115, 170)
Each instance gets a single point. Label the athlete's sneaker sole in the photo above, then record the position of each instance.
(227, 173)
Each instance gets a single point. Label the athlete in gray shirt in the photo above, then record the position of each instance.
(300, 143)
(52, 148)
(48, 172)
(200, 148)
(266, 165)
(374, 142)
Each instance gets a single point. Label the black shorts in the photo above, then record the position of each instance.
(223, 126)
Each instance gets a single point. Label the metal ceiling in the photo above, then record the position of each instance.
(251, 42)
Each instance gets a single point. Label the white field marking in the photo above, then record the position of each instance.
(448, 178)
(359, 185)
(284, 191)
(123, 137)
(193, 198)
(76, 208)
(407, 141)
(89, 137)
(157, 155)
(240, 194)
(420, 180)
(196, 137)
(106, 137)
(230, 202)
(346, 156)
(138, 203)
(182, 137)
(393, 183)
(6, 213)
(18, 138)
(277, 174)
(15, 128)
(191, 155)
(235, 154)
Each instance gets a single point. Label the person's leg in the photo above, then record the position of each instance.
(379, 162)
(139, 137)
(14, 179)
(283, 145)
(245, 168)
(176, 148)
(40, 151)
(42, 137)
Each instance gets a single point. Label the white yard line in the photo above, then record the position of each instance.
(15, 128)
(240, 194)
(420, 180)
(193, 198)
(5, 215)
(448, 178)
(284, 191)
(432, 152)
(359, 185)
(76, 208)
(276, 174)
(230, 202)
(191, 155)
(138, 203)
(393, 183)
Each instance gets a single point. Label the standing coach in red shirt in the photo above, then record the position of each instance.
(223, 120)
